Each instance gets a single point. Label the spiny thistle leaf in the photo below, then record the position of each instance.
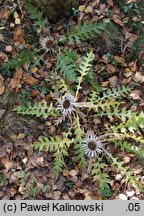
(117, 111)
(52, 144)
(84, 68)
(134, 122)
(128, 174)
(66, 65)
(79, 133)
(129, 147)
(99, 173)
(59, 162)
(38, 109)
(120, 92)
(102, 108)
(60, 86)
(58, 145)
(86, 31)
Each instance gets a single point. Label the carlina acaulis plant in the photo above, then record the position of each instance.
(66, 107)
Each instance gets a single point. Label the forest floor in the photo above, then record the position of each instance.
(26, 173)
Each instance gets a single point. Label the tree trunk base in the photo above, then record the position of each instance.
(55, 9)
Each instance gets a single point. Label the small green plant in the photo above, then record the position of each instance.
(42, 89)
(25, 97)
(2, 179)
(106, 191)
(134, 11)
(17, 61)
(35, 15)
(120, 132)
(137, 50)
(69, 185)
(29, 185)
(132, 8)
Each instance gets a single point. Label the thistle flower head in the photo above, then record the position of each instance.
(67, 105)
(92, 146)
(47, 42)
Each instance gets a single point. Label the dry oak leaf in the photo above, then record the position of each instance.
(111, 69)
(133, 66)
(2, 151)
(138, 77)
(81, 8)
(30, 80)
(2, 87)
(88, 9)
(105, 84)
(16, 15)
(135, 94)
(3, 57)
(117, 20)
(8, 48)
(34, 69)
(15, 82)
(110, 2)
(73, 173)
(19, 37)
(131, 1)
(2, 111)
(120, 60)
(17, 21)
(113, 81)
(5, 14)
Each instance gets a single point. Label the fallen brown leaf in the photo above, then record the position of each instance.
(56, 195)
(113, 81)
(121, 197)
(15, 82)
(18, 74)
(5, 13)
(110, 2)
(111, 69)
(81, 8)
(8, 48)
(131, 1)
(138, 77)
(19, 37)
(117, 20)
(120, 60)
(2, 111)
(88, 9)
(135, 94)
(30, 80)
(105, 84)
(2, 87)
(73, 173)
(2, 151)
(133, 66)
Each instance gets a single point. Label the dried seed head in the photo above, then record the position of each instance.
(47, 42)
(92, 146)
(67, 105)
